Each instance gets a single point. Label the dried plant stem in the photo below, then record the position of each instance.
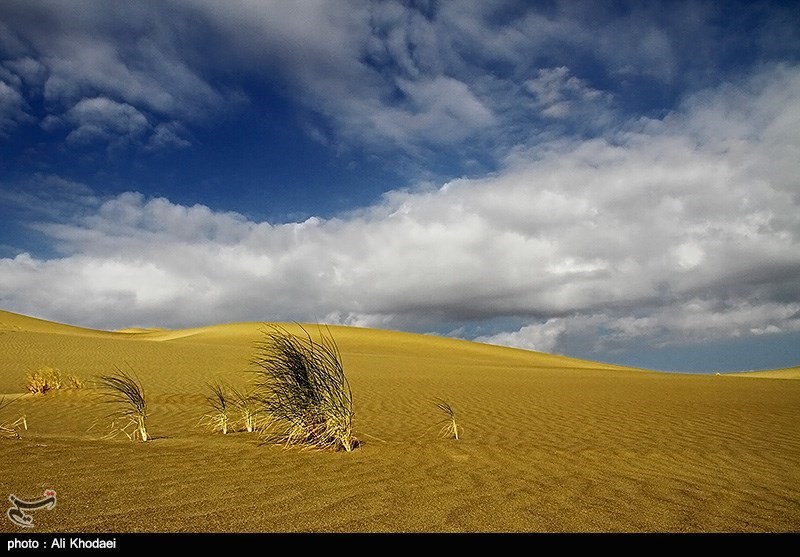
(219, 419)
(246, 405)
(451, 428)
(10, 429)
(126, 391)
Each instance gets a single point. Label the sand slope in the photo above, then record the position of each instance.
(786, 373)
(550, 443)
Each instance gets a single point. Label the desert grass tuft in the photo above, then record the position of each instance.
(302, 389)
(219, 418)
(246, 404)
(450, 428)
(126, 392)
(72, 382)
(10, 430)
(43, 380)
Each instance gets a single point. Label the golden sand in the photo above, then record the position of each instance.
(549, 443)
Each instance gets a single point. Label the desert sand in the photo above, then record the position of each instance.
(549, 443)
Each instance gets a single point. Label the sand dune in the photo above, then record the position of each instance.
(550, 443)
(786, 373)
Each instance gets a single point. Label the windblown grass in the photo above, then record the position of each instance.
(302, 389)
(10, 430)
(247, 407)
(450, 428)
(126, 391)
(219, 418)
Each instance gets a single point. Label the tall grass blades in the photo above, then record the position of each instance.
(302, 388)
(450, 428)
(219, 419)
(126, 392)
(10, 430)
(246, 405)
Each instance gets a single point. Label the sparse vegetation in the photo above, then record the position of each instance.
(10, 430)
(47, 378)
(246, 405)
(43, 380)
(125, 391)
(72, 382)
(302, 389)
(219, 419)
(450, 428)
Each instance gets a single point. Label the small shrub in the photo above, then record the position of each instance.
(450, 429)
(126, 391)
(302, 389)
(43, 380)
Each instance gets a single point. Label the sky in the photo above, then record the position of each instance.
(617, 181)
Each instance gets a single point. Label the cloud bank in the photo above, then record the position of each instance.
(672, 230)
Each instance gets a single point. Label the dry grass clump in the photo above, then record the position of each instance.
(47, 378)
(247, 407)
(43, 380)
(125, 391)
(10, 430)
(219, 418)
(302, 389)
(450, 428)
(232, 410)
(72, 382)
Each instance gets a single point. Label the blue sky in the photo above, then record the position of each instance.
(610, 180)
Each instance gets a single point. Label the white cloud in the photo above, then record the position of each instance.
(561, 95)
(12, 108)
(441, 110)
(151, 78)
(31, 71)
(390, 75)
(424, 78)
(100, 118)
(117, 124)
(142, 61)
(673, 230)
(542, 338)
(688, 322)
(168, 135)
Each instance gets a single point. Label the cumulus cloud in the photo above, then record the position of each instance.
(675, 230)
(543, 337)
(691, 321)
